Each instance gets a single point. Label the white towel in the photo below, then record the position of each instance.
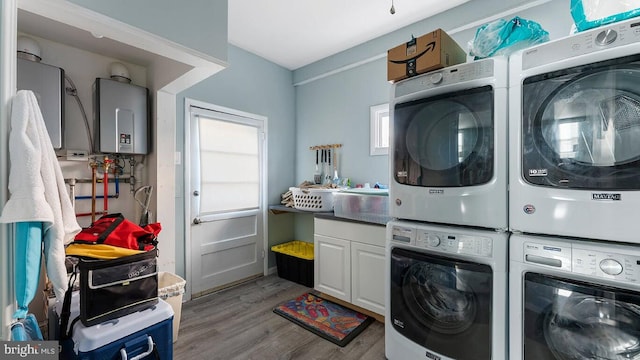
(36, 186)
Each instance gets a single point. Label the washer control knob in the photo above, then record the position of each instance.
(606, 37)
(611, 267)
(436, 78)
(433, 240)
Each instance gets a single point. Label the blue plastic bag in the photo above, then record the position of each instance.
(589, 14)
(26, 329)
(501, 37)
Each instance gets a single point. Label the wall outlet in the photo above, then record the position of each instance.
(78, 155)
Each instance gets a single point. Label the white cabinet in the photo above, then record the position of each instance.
(332, 266)
(367, 276)
(349, 262)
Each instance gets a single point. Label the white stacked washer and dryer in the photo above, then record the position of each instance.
(574, 275)
(446, 283)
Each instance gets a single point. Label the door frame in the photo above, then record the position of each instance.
(8, 34)
(188, 103)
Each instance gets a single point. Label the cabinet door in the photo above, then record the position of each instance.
(367, 276)
(332, 266)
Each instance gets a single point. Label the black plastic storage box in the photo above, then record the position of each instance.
(295, 261)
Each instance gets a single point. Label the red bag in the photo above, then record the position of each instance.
(115, 230)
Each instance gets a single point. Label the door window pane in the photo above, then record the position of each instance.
(229, 166)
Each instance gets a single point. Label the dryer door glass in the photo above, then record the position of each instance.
(446, 140)
(567, 319)
(581, 126)
(440, 303)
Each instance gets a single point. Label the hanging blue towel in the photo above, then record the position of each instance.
(28, 255)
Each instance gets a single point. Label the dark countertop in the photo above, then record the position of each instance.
(328, 215)
(281, 209)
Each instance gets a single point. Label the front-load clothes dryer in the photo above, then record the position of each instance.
(574, 135)
(448, 156)
(573, 299)
(446, 293)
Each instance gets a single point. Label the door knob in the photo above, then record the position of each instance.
(196, 193)
(196, 221)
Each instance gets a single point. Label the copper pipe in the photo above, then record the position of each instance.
(105, 181)
(93, 191)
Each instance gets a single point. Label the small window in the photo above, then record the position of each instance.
(379, 129)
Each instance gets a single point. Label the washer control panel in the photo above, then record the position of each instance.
(454, 243)
(589, 260)
(606, 37)
(606, 265)
(444, 242)
(451, 75)
(403, 234)
(555, 256)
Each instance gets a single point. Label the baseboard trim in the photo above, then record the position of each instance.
(378, 317)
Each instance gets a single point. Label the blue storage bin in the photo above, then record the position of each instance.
(133, 334)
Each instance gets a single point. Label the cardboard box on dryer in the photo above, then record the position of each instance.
(431, 51)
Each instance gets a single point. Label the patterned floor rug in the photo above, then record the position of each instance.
(328, 320)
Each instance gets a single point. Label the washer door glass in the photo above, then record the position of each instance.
(446, 140)
(571, 320)
(581, 126)
(439, 298)
(440, 303)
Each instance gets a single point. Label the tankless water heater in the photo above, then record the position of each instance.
(121, 114)
(47, 83)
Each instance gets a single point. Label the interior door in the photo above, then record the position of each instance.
(227, 187)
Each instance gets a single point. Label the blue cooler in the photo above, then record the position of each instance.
(146, 334)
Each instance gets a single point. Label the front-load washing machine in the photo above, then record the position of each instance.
(573, 299)
(446, 292)
(574, 127)
(449, 146)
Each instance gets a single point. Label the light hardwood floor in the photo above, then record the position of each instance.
(238, 323)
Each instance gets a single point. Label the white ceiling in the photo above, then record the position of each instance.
(295, 33)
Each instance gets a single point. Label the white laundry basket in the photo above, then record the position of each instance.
(313, 199)
(170, 289)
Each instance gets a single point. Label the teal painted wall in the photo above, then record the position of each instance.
(197, 24)
(254, 85)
